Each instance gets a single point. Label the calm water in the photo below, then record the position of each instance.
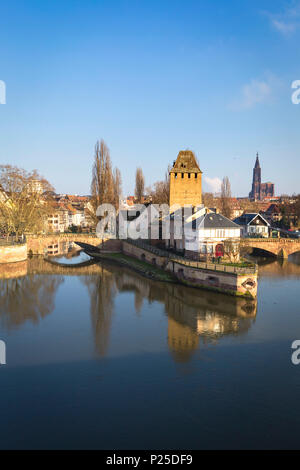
(99, 357)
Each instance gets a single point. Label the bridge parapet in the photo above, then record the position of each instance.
(281, 247)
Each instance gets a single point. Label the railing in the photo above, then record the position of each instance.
(64, 234)
(194, 264)
(246, 240)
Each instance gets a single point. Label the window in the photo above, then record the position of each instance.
(182, 175)
(189, 175)
(196, 174)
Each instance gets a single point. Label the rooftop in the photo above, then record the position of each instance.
(186, 162)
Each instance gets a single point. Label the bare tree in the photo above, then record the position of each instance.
(232, 250)
(102, 187)
(25, 200)
(160, 194)
(117, 187)
(139, 185)
(208, 200)
(226, 197)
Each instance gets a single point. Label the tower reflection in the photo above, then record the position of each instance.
(193, 314)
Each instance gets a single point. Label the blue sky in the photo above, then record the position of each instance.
(151, 78)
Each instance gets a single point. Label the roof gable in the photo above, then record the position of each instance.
(247, 219)
(186, 162)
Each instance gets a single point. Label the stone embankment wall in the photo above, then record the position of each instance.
(13, 253)
(230, 282)
(236, 281)
(144, 255)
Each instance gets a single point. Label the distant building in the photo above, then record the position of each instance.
(185, 180)
(273, 213)
(253, 225)
(35, 186)
(260, 190)
(58, 219)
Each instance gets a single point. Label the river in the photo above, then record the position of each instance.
(100, 357)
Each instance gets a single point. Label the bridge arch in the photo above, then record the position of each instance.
(262, 252)
(280, 247)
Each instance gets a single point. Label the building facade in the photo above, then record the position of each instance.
(205, 235)
(253, 225)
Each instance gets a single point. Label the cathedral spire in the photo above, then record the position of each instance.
(257, 165)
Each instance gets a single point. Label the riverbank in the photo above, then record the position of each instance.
(139, 266)
(160, 265)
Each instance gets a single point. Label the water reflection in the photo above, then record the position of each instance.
(27, 297)
(61, 247)
(194, 317)
(192, 314)
(102, 290)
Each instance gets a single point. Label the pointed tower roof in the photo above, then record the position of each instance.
(257, 165)
(186, 162)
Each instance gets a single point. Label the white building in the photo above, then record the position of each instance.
(76, 217)
(205, 235)
(253, 225)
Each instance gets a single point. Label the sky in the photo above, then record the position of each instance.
(151, 78)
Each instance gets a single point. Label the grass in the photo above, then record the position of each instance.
(149, 270)
(241, 264)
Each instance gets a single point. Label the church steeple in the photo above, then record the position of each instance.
(255, 193)
(257, 165)
(260, 190)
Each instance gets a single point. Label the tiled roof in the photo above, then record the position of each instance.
(245, 219)
(186, 162)
(212, 220)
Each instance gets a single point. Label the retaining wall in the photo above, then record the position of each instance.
(13, 253)
(232, 280)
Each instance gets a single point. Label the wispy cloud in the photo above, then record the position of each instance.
(257, 91)
(214, 184)
(288, 21)
(252, 93)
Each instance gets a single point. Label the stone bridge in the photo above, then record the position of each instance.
(280, 247)
(56, 244)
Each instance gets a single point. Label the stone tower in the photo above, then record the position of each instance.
(256, 182)
(185, 180)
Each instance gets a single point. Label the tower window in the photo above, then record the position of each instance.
(196, 174)
(175, 175)
(189, 175)
(182, 175)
